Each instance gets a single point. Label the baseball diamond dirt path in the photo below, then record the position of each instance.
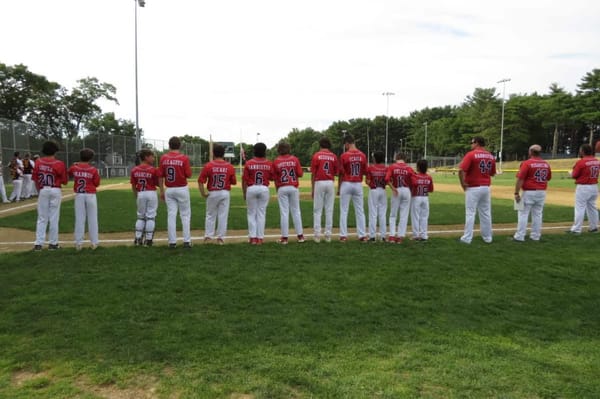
(19, 240)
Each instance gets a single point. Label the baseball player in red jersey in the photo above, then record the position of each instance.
(476, 169)
(353, 166)
(85, 180)
(585, 172)
(377, 196)
(323, 169)
(398, 177)
(255, 185)
(219, 176)
(144, 181)
(286, 173)
(49, 175)
(174, 169)
(421, 185)
(532, 178)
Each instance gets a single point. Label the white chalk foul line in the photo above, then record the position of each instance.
(200, 239)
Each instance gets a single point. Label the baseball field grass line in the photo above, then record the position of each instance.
(512, 320)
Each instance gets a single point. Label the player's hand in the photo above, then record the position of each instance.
(205, 195)
(162, 196)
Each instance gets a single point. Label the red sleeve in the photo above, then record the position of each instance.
(188, 168)
(65, 178)
(313, 164)
(466, 162)
(232, 177)
(131, 179)
(96, 177)
(430, 185)
(522, 173)
(299, 171)
(203, 174)
(577, 169)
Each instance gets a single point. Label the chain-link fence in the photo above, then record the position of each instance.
(115, 155)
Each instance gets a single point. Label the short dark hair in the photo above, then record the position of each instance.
(17, 153)
(86, 154)
(49, 148)
(218, 150)
(400, 156)
(145, 153)
(348, 139)
(378, 156)
(174, 143)
(586, 149)
(422, 165)
(325, 143)
(259, 150)
(479, 140)
(283, 148)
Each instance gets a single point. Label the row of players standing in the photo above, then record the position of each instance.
(218, 176)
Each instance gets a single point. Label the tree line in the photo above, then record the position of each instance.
(558, 120)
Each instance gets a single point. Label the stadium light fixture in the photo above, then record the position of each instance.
(138, 140)
(257, 134)
(503, 81)
(387, 95)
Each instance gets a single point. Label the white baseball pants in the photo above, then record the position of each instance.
(48, 213)
(16, 192)
(257, 199)
(3, 189)
(217, 209)
(27, 183)
(323, 197)
(147, 205)
(478, 199)
(533, 202)
(419, 216)
(178, 199)
(377, 212)
(352, 191)
(586, 196)
(399, 203)
(289, 200)
(86, 207)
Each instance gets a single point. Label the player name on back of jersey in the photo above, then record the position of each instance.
(142, 174)
(325, 157)
(45, 168)
(284, 164)
(593, 162)
(218, 169)
(539, 165)
(172, 162)
(83, 174)
(259, 166)
(353, 158)
(483, 155)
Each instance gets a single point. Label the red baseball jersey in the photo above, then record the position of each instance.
(479, 166)
(85, 178)
(324, 165)
(421, 185)
(376, 176)
(535, 173)
(286, 171)
(399, 174)
(49, 172)
(257, 171)
(353, 166)
(586, 170)
(144, 177)
(219, 174)
(175, 168)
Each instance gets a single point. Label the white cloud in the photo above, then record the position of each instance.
(268, 66)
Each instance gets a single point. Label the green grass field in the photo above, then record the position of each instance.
(434, 320)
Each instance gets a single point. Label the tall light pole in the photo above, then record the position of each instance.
(257, 134)
(425, 150)
(138, 140)
(503, 81)
(387, 94)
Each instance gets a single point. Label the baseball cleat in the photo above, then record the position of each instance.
(187, 245)
(593, 231)
(363, 239)
(259, 241)
(148, 243)
(283, 241)
(327, 238)
(172, 245)
(317, 239)
(301, 238)
(78, 247)
(37, 248)
(53, 247)
(252, 241)
(343, 239)
(220, 241)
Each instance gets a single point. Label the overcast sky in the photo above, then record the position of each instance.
(233, 68)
